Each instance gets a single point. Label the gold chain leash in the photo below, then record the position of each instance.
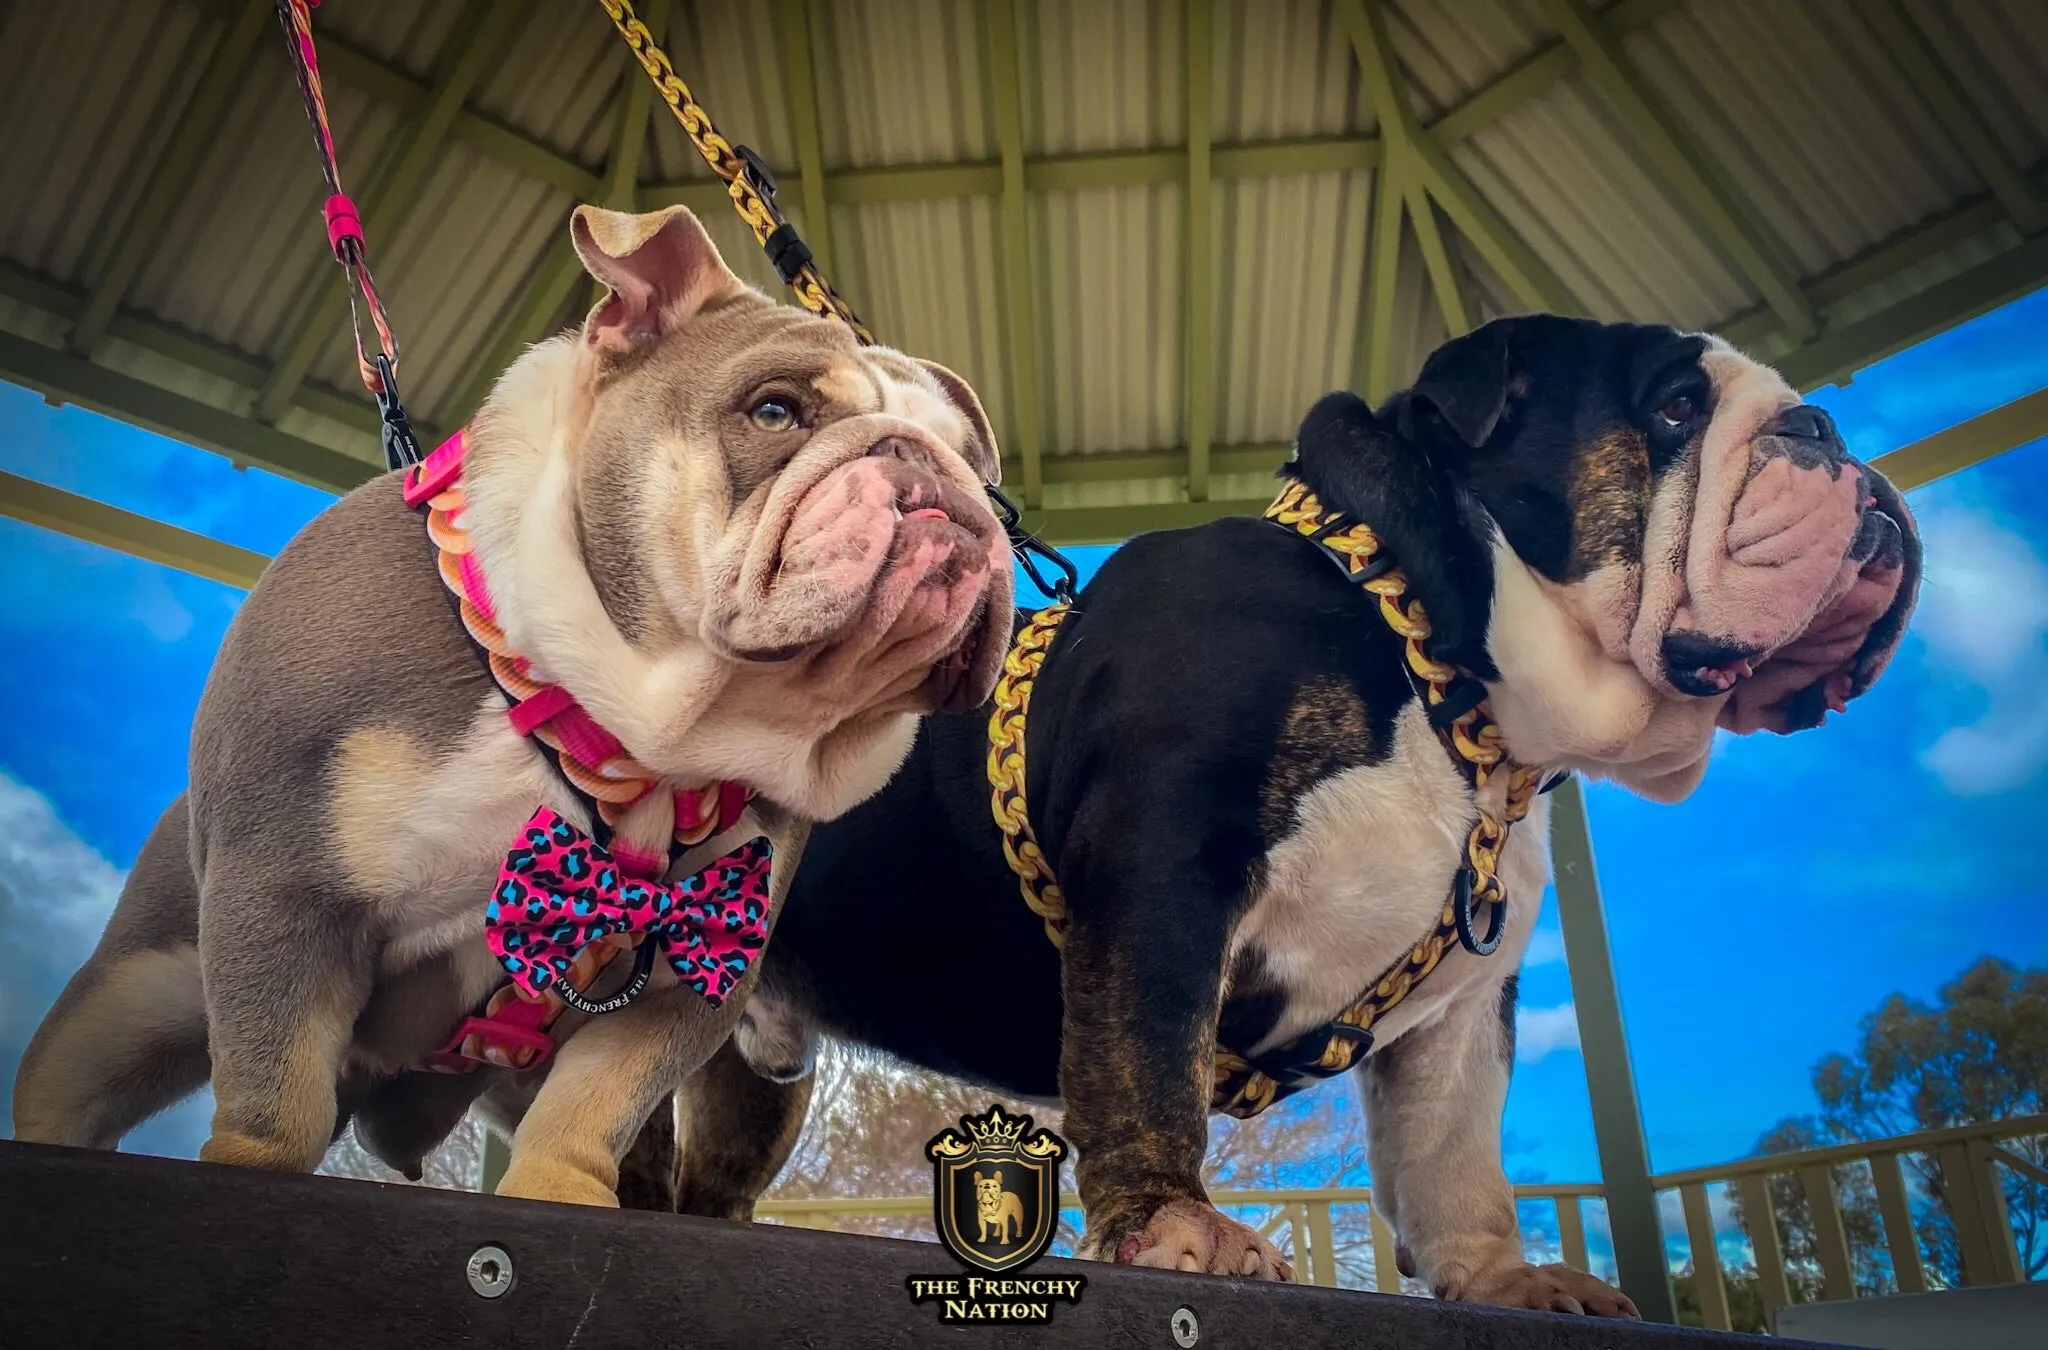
(1006, 771)
(738, 171)
(1240, 1088)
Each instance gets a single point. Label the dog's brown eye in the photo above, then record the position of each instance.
(1678, 412)
(775, 414)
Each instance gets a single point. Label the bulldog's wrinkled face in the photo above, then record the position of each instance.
(1677, 542)
(753, 479)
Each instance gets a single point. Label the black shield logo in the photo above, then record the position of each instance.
(996, 1189)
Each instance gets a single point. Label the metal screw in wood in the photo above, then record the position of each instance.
(490, 1272)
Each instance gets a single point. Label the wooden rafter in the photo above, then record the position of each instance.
(197, 129)
(799, 47)
(1950, 102)
(485, 28)
(1534, 282)
(1020, 289)
(1200, 333)
(526, 318)
(1670, 148)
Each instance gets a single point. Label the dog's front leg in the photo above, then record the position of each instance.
(1433, 1103)
(604, 1083)
(1142, 973)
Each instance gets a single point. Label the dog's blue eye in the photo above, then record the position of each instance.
(775, 414)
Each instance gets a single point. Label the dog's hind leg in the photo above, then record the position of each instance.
(734, 1132)
(127, 1037)
(125, 1040)
(288, 969)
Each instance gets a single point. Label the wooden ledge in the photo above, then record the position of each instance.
(119, 1249)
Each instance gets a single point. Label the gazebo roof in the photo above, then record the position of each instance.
(1017, 190)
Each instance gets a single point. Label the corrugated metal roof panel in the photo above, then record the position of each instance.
(1284, 70)
(1103, 75)
(1286, 318)
(1796, 108)
(1112, 307)
(902, 82)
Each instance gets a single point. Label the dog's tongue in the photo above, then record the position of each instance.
(926, 513)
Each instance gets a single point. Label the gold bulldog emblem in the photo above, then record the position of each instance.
(996, 1189)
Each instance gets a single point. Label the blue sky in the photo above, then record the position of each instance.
(1752, 925)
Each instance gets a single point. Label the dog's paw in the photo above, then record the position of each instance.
(1546, 1288)
(1191, 1235)
(536, 1179)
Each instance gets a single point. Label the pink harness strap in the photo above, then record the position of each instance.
(513, 1031)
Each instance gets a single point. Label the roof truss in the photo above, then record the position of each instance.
(1817, 330)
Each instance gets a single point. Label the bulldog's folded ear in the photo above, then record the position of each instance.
(1848, 645)
(1463, 389)
(1355, 463)
(660, 268)
(980, 449)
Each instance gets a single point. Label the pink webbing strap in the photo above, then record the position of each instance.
(434, 475)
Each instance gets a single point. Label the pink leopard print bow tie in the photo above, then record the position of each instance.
(560, 891)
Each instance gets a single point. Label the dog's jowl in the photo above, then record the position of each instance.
(686, 583)
(1629, 536)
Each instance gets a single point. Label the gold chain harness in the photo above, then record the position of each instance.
(1240, 1086)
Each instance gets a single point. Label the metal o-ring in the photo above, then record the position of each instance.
(1461, 910)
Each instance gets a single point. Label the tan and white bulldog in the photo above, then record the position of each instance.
(750, 549)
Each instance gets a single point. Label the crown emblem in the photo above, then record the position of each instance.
(995, 1132)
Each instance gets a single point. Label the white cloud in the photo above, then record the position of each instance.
(1546, 947)
(1983, 613)
(55, 894)
(1539, 1031)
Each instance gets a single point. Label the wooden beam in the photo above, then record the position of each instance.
(1200, 334)
(130, 1249)
(1383, 269)
(1847, 347)
(1632, 1213)
(1020, 287)
(72, 379)
(197, 130)
(523, 322)
(796, 41)
(1908, 46)
(138, 536)
(2007, 427)
(1681, 163)
(1436, 259)
(481, 34)
(1533, 281)
(1539, 72)
(621, 183)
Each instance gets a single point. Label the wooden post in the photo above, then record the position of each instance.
(1762, 1217)
(1706, 1257)
(1898, 1223)
(1386, 1267)
(1830, 1240)
(1632, 1216)
(1571, 1232)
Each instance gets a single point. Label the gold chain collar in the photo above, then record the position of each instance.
(1240, 1087)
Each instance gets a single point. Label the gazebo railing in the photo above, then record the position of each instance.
(1970, 1160)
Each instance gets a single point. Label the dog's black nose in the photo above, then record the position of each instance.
(1807, 422)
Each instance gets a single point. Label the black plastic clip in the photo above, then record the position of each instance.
(1029, 548)
(787, 252)
(401, 446)
(757, 169)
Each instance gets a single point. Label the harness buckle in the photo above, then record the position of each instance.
(401, 445)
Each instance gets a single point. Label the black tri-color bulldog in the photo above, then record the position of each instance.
(1630, 536)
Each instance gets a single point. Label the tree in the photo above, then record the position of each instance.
(1978, 1053)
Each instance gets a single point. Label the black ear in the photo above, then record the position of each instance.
(1465, 384)
(1355, 463)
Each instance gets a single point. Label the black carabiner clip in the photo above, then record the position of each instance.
(1461, 912)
